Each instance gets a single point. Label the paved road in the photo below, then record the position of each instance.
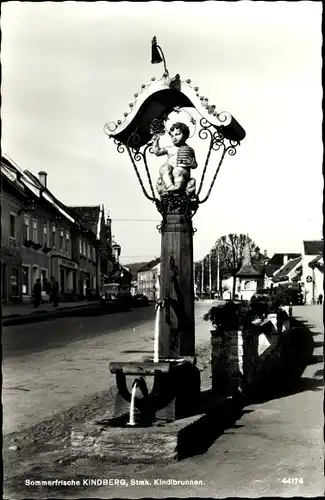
(50, 366)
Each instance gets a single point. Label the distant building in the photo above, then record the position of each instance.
(290, 272)
(313, 269)
(277, 261)
(149, 279)
(251, 278)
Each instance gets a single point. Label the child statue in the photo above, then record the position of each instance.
(175, 172)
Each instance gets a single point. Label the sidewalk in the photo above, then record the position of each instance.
(27, 310)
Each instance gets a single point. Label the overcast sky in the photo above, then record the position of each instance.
(70, 67)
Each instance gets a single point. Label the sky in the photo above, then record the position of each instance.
(70, 67)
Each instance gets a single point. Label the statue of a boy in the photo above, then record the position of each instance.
(175, 172)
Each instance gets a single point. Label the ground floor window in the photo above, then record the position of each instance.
(25, 280)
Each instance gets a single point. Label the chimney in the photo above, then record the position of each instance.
(285, 259)
(265, 253)
(42, 177)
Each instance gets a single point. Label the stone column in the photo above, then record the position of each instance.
(176, 333)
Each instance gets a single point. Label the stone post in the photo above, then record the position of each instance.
(226, 362)
(176, 334)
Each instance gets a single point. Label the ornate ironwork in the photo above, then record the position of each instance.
(119, 146)
(217, 142)
(137, 155)
(179, 202)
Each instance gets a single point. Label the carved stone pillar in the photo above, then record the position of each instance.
(177, 333)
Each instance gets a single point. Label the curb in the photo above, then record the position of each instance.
(35, 317)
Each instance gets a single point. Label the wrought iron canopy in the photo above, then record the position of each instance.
(159, 98)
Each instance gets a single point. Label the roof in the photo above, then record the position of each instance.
(149, 265)
(88, 216)
(277, 261)
(277, 258)
(287, 268)
(158, 99)
(314, 247)
(247, 268)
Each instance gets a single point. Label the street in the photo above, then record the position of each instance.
(51, 365)
(273, 448)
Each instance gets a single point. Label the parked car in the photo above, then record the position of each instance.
(116, 297)
(140, 300)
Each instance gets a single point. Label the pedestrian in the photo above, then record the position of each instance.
(46, 290)
(37, 293)
(54, 292)
(320, 299)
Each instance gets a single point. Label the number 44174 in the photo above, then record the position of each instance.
(292, 480)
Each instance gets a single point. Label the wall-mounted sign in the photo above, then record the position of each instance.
(68, 263)
(309, 279)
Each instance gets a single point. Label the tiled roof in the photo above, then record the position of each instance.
(315, 247)
(88, 216)
(287, 268)
(277, 258)
(276, 262)
(149, 265)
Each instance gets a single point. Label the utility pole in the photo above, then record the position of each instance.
(210, 275)
(202, 278)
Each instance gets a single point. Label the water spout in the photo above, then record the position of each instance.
(156, 338)
(131, 421)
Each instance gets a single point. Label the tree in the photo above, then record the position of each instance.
(229, 249)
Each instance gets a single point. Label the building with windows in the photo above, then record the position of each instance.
(149, 279)
(313, 270)
(13, 200)
(41, 237)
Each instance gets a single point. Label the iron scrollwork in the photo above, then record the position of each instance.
(136, 155)
(217, 142)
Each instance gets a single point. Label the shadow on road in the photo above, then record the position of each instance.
(197, 438)
(286, 376)
(283, 380)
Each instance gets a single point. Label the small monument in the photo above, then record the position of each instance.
(250, 279)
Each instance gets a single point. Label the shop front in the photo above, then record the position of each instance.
(66, 272)
(11, 276)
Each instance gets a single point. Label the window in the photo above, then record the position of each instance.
(80, 246)
(61, 239)
(45, 239)
(84, 248)
(26, 227)
(67, 241)
(89, 250)
(25, 280)
(35, 239)
(94, 254)
(12, 226)
(53, 240)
